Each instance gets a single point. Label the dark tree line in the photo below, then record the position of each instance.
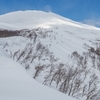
(8, 33)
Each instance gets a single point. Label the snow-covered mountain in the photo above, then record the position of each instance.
(33, 19)
(56, 51)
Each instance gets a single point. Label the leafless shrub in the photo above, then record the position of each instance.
(38, 69)
(5, 45)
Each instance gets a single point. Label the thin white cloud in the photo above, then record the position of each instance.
(92, 21)
(48, 8)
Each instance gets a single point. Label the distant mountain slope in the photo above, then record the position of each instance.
(30, 19)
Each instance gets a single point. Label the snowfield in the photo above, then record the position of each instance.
(16, 84)
(32, 19)
(45, 46)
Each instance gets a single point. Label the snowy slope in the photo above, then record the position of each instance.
(65, 37)
(31, 19)
(59, 35)
(16, 84)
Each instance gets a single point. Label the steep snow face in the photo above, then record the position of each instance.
(16, 84)
(66, 37)
(30, 19)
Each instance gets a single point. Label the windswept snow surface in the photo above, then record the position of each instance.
(31, 19)
(16, 84)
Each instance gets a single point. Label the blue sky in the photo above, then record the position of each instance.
(86, 11)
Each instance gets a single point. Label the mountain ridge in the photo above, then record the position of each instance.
(31, 19)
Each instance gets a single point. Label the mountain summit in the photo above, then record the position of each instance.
(32, 19)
